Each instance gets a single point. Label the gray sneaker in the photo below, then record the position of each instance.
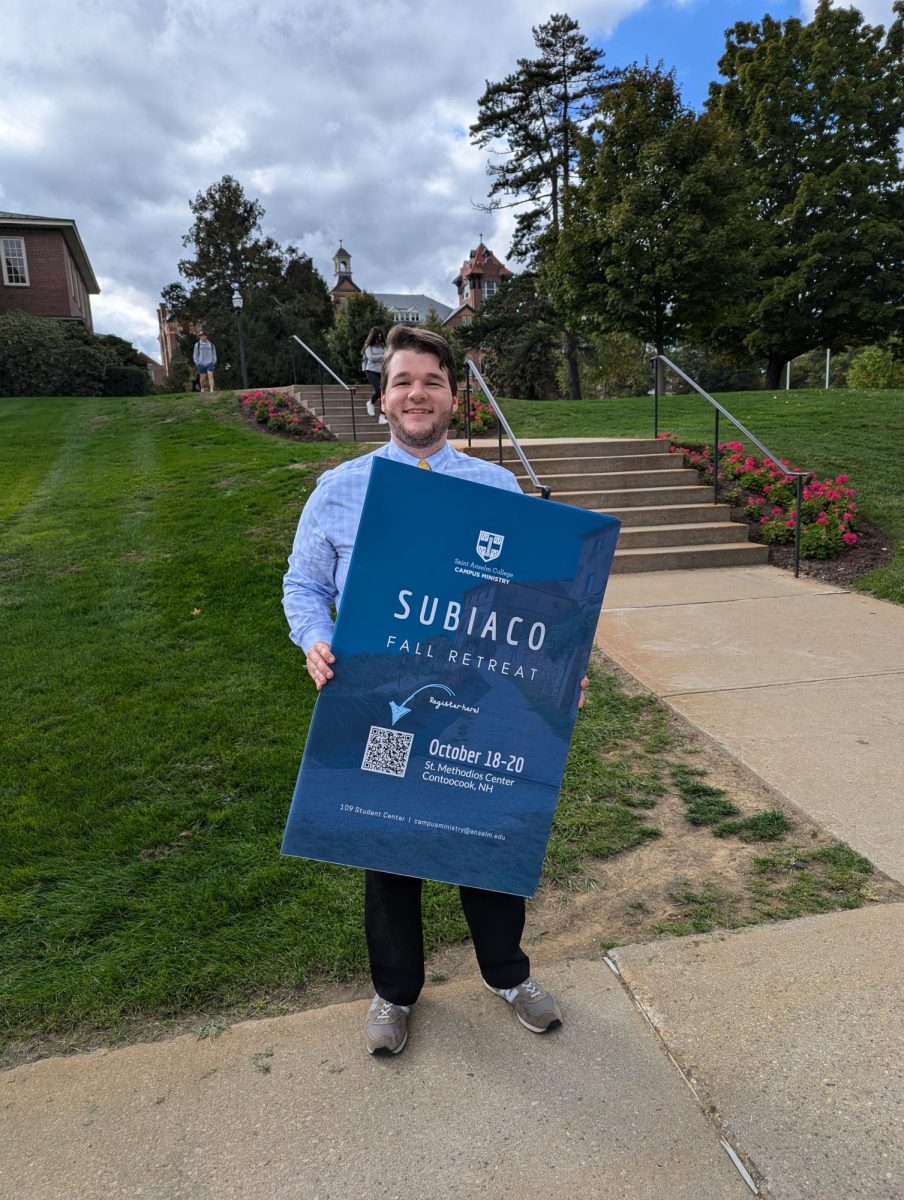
(534, 1007)
(386, 1028)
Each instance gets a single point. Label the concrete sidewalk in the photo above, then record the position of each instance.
(783, 1043)
(800, 681)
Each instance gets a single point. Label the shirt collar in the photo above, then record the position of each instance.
(437, 461)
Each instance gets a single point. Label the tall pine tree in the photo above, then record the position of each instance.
(534, 116)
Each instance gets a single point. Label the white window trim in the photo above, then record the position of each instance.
(6, 279)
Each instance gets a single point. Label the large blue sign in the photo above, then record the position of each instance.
(466, 623)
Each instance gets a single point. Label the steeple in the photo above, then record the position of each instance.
(342, 264)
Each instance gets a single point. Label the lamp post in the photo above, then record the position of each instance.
(237, 303)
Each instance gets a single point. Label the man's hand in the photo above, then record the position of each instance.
(318, 663)
(585, 684)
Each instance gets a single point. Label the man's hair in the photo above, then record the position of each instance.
(421, 341)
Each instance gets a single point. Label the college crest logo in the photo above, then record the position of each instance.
(489, 545)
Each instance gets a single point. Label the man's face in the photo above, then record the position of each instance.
(418, 400)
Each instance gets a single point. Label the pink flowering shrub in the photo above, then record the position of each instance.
(483, 419)
(828, 511)
(284, 414)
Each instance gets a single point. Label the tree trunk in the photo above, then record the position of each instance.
(774, 365)
(570, 347)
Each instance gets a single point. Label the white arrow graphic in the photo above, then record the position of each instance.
(400, 710)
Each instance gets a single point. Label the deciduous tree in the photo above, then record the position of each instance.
(282, 292)
(818, 109)
(656, 245)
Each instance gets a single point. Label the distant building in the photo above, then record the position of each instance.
(155, 371)
(45, 270)
(406, 308)
(344, 287)
(480, 276)
(168, 330)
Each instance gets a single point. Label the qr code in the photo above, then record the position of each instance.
(387, 751)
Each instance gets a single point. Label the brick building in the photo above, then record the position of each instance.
(480, 276)
(44, 269)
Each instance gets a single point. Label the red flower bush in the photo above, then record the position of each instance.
(483, 419)
(284, 414)
(768, 493)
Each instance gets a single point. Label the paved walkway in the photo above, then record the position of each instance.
(783, 1043)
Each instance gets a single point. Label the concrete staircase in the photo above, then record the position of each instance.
(335, 411)
(669, 521)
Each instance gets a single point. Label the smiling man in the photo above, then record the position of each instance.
(419, 396)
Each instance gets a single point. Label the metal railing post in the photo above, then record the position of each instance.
(504, 427)
(800, 498)
(716, 459)
(351, 393)
(294, 363)
(468, 402)
(322, 400)
(657, 366)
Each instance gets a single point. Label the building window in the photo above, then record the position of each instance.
(15, 268)
(488, 287)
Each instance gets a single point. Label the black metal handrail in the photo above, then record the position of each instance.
(350, 388)
(502, 423)
(658, 360)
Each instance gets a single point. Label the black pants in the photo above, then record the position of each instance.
(373, 378)
(395, 936)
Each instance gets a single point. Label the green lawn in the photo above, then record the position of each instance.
(154, 713)
(860, 434)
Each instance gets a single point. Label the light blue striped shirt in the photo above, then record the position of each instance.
(326, 532)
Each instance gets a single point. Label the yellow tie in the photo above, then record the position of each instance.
(424, 465)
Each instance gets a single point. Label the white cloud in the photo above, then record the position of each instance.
(876, 12)
(128, 312)
(346, 120)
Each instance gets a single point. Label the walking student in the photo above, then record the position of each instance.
(372, 364)
(205, 356)
(418, 397)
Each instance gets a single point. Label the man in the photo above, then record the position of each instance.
(418, 398)
(205, 357)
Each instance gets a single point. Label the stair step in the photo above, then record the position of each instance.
(639, 537)
(600, 464)
(609, 480)
(543, 448)
(606, 500)
(680, 558)
(671, 514)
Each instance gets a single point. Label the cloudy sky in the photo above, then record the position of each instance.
(346, 120)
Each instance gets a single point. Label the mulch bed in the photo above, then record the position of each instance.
(874, 549)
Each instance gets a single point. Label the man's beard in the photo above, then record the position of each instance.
(418, 441)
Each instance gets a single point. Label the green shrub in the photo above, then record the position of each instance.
(31, 355)
(126, 381)
(876, 367)
(82, 370)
